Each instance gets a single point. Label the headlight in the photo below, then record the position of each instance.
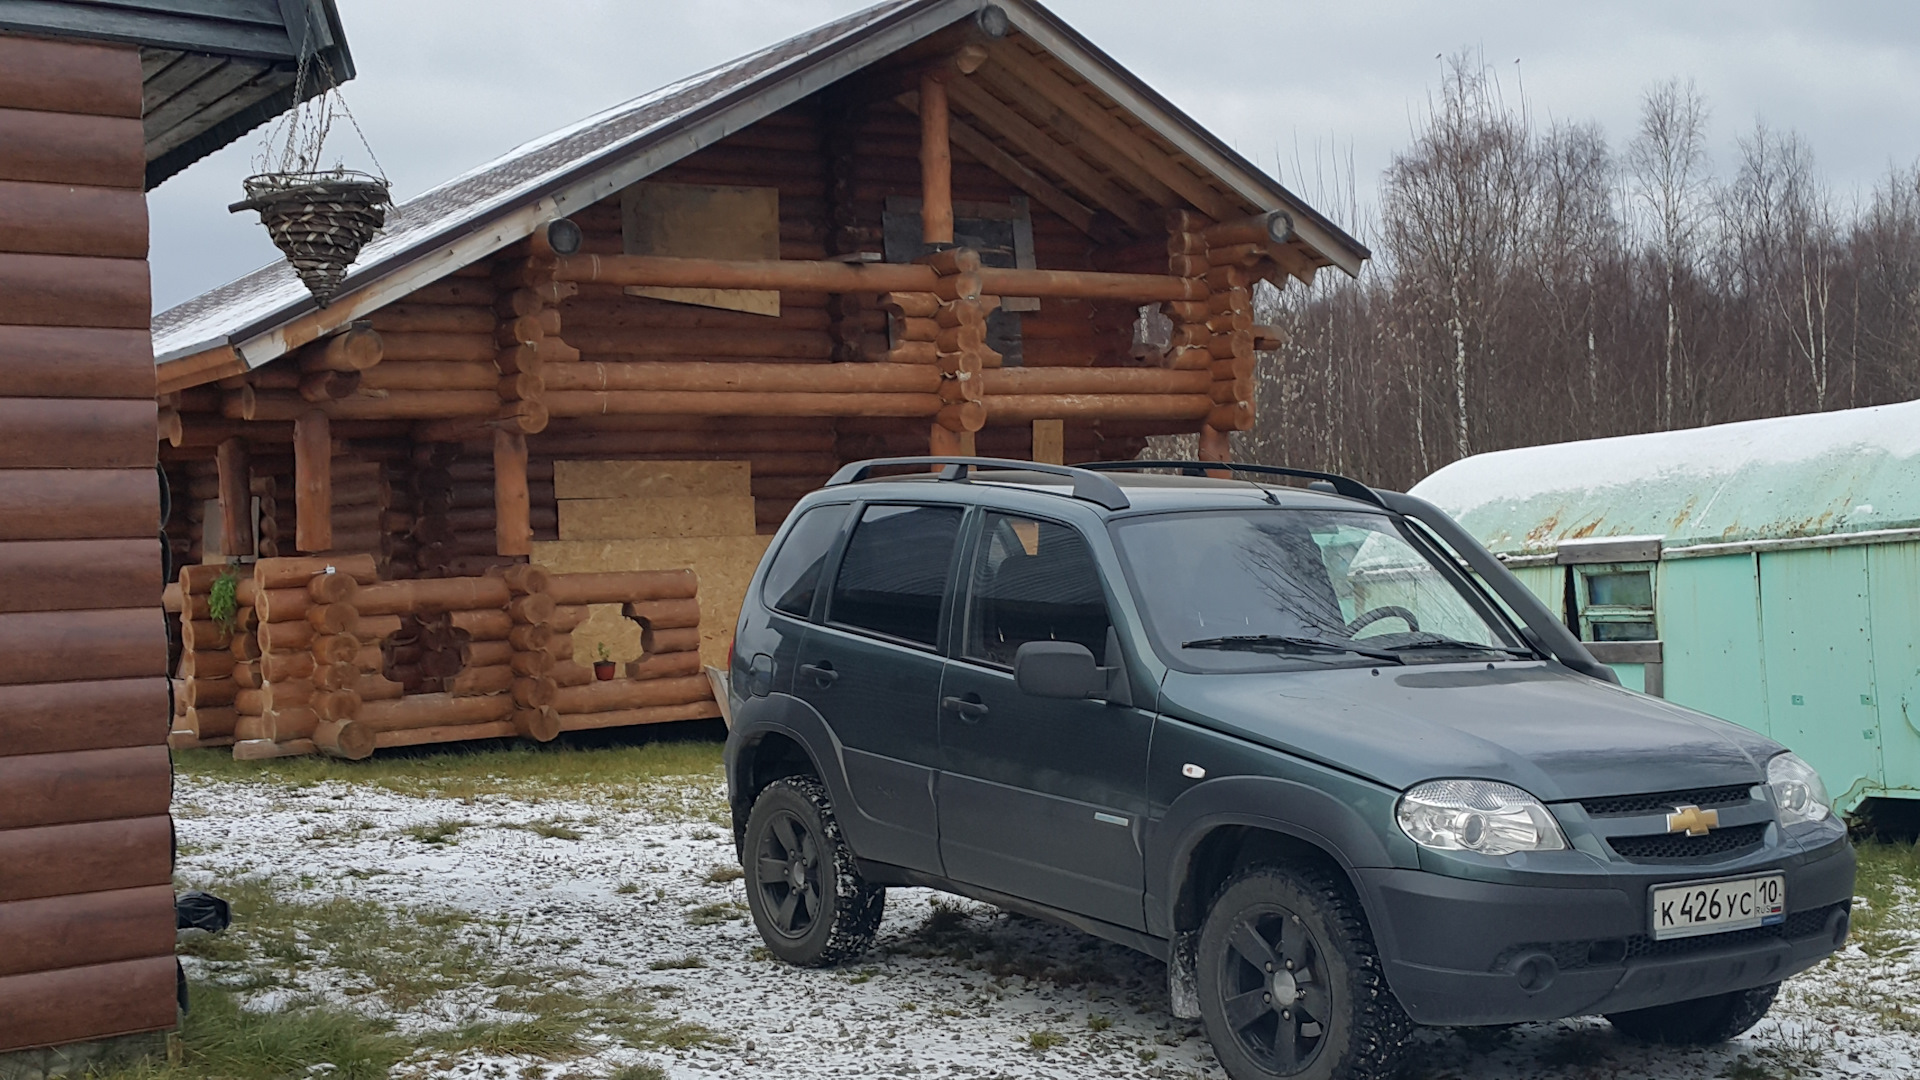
(1477, 815)
(1797, 790)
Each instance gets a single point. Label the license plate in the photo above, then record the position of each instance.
(1714, 907)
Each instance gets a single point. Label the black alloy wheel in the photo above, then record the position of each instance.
(809, 901)
(789, 874)
(1273, 986)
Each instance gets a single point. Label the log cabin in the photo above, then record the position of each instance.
(561, 402)
(98, 103)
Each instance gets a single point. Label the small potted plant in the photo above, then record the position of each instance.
(603, 667)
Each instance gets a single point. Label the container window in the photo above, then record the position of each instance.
(1616, 602)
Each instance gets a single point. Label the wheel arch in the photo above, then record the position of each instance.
(765, 745)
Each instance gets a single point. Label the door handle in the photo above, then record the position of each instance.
(970, 708)
(821, 673)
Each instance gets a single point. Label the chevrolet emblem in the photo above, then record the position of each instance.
(1692, 820)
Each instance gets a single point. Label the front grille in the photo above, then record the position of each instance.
(1679, 847)
(1663, 801)
(1573, 955)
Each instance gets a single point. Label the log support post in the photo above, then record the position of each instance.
(236, 500)
(936, 161)
(1050, 441)
(267, 490)
(531, 610)
(528, 337)
(312, 482)
(512, 504)
(1212, 333)
(1233, 267)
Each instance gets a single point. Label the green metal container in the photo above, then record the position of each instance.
(1767, 572)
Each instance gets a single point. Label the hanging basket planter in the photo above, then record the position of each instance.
(320, 220)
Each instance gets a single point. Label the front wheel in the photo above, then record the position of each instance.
(1290, 984)
(809, 902)
(1699, 1022)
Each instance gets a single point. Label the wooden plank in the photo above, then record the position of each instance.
(67, 290)
(198, 369)
(78, 433)
(649, 479)
(84, 785)
(66, 575)
(1055, 157)
(651, 714)
(91, 928)
(651, 518)
(186, 69)
(69, 77)
(62, 148)
(70, 219)
(78, 504)
(95, 1002)
(52, 646)
(75, 362)
(1014, 69)
(94, 856)
(52, 718)
(209, 89)
(1049, 441)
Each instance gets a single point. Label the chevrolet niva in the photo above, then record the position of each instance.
(1315, 748)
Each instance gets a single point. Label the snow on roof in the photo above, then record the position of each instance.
(516, 177)
(1850, 471)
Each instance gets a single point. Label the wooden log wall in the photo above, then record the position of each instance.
(343, 663)
(86, 904)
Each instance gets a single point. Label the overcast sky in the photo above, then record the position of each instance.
(447, 84)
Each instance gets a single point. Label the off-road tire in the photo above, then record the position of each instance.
(1364, 1031)
(850, 909)
(1699, 1022)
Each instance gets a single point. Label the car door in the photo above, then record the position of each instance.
(1039, 798)
(871, 668)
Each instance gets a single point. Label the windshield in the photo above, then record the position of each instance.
(1266, 589)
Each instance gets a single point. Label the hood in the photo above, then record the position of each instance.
(1538, 726)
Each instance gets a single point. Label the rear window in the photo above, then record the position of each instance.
(894, 574)
(795, 574)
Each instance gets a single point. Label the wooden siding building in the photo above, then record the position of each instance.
(551, 387)
(98, 101)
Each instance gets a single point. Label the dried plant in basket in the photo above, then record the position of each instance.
(320, 220)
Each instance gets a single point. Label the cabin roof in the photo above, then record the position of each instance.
(258, 317)
(211, 70)
(1822, 474)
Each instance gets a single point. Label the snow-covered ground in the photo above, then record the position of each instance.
(951, 988)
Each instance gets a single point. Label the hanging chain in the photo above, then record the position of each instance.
(301, 132)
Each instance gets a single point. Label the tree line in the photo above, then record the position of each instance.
(1534, 284)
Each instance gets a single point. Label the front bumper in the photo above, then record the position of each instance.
(1460, 952)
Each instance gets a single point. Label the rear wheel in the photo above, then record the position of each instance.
(808, 899)
(1290, 985)
(1699, 1022)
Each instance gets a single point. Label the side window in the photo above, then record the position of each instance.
(895, 572)
(1032, 581)
(1615, 602)
(795, 573)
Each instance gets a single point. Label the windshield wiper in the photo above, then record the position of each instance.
(1283, 643)
(1455, 644)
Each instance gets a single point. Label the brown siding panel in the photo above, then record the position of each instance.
(68, 290)
(75, 362)
(51, 1007)
(51, 646)
(60, 148)
(78, 504)
(68, 219)
(92, 928)
(49, 718)
(86, 785)
(67, 575)
(77, 433)
(55, 860)
(69, 77)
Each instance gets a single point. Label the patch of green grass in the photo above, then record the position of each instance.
(438, 833)
(554, 830)
(684, 963)
(219, 1038)
(723, 873)
(525, 772)
(1044, 1040)
(547, 1037)
(638, 1072)
(1099, 1023)
(715, 914)
(627, 888)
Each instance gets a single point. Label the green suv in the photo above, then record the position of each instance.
(1313, 747)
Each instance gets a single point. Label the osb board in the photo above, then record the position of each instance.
(724, 565)
(645, 519)
(705, 221)
(649, 479)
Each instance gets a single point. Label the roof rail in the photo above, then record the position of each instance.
(1089, 486)
(1342, 485)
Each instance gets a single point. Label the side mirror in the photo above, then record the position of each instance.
(1058, 669)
